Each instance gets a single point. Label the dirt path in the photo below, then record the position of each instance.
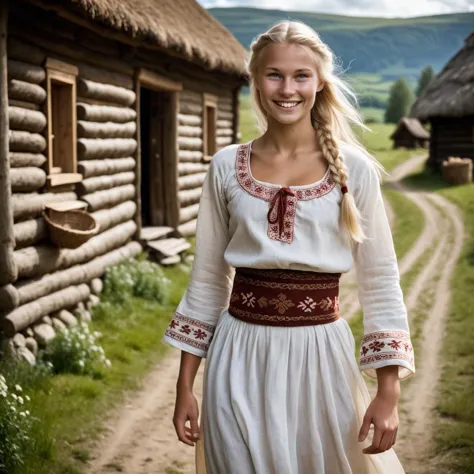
(141, 437)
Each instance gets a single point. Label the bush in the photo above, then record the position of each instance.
(75, 350)
(135, 277)
(15, 425)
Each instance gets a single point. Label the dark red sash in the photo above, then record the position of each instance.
(285, 297)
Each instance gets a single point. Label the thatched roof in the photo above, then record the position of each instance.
(451, 93)
(182, 26)
(413, 126)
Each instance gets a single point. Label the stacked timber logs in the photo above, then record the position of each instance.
(106, 145)
(192, 170)
(52, 284)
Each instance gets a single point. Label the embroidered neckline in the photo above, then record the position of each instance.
(268, 191)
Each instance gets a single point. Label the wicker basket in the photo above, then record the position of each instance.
(70, 229)
(457, 170)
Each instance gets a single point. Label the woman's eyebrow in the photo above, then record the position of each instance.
(298, 70)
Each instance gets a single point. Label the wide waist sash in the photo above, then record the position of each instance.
(285, 297)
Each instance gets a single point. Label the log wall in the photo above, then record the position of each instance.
(48, 278)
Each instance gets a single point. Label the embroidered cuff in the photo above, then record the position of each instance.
(382, 348)
(190, 335)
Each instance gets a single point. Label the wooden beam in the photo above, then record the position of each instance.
(152, 80)
(8, 270)
(60, 66)
(63, 178)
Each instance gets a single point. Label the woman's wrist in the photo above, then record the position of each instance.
(388, 382)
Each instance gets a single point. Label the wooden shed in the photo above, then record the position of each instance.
(410, 134)
(114, 106)
(448, 104)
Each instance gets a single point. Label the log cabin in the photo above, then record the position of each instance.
(410, 134)
(447, 104)
(114, 107)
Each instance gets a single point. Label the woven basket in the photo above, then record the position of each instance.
(70, 229)
(457, 170)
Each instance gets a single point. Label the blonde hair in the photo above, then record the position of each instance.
(331, 115)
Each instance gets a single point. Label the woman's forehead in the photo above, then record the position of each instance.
(288, 57)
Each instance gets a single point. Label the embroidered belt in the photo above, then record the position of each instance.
(285, 297)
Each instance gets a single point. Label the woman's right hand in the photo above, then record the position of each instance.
(186, 409)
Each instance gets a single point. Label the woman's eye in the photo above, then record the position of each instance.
(273, 74)
(302, 75)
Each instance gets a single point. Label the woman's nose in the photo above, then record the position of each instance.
(287, 88)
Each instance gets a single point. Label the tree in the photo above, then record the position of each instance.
(399, 102)
(426, 76)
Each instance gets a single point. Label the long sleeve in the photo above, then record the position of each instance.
(386, 333)
(208, 291)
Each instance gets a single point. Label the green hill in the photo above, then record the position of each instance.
(374, 51)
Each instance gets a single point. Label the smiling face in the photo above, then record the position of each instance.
(287, 82)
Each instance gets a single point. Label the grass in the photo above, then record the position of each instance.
(72, 407)
(454, 433)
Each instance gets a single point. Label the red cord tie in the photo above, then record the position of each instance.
(344, 189)
(280, 203)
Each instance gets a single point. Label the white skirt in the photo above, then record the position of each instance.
(285, 400)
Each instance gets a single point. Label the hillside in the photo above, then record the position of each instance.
(390, 47)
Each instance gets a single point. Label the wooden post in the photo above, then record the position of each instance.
(171, 166)
(8, 270)
(236, 111)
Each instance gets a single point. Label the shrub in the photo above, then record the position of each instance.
(135, 277)
(75, 350)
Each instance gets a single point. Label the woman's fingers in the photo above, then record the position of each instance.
(194, 427)
(364, 429)
(179, 425)
(386, 441)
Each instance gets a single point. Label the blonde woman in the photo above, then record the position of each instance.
(280, 219)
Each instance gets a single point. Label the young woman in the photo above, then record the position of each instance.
(280, 219)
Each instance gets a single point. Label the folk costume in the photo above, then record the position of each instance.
(282, 390)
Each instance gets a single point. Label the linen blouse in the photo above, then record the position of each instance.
(233, 231)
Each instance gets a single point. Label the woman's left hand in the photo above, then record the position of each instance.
(383, 414)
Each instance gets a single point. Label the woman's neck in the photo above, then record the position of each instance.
(289, 139)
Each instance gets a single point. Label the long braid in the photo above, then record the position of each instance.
(350, 216)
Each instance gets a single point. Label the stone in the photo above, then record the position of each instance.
(29, 332)
(92, 301)
(80, 306)
(19, 340)
(44, 333)
(83, 315)
(189, 259)
(67, 318)
(27, 355)
(58, 325)
(31, 345)
(47, 320)
(97, 286)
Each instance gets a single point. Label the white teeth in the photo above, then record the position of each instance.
(287, 105)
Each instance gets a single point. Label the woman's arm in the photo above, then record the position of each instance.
(186, 407)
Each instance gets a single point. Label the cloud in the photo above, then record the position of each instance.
(385, 8)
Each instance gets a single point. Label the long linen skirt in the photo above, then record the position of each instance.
(285, 400)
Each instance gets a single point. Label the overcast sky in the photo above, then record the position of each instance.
(385, 8)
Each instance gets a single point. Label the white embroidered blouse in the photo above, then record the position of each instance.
(233, 231)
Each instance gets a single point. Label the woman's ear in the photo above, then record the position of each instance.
(320, 86)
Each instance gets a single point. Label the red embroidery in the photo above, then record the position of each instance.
(395, 344)
(377, 346)
(268, 193)
(191, 331)
(386, 345)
